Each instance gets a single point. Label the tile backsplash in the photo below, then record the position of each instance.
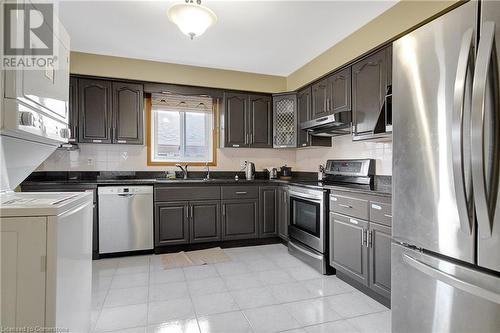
(343, 147)
(102, 157)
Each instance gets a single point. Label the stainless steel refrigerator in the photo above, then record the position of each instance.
(446, 201)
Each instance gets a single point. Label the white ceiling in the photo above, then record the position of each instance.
(268, 37)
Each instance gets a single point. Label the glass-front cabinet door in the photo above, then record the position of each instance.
(285, 121)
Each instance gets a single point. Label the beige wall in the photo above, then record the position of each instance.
(153, 71)
(392, 23)
(396, 20)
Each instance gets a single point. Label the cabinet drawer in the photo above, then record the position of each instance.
(349, 206)
(381, 213)
(187, 193)
(240, 192)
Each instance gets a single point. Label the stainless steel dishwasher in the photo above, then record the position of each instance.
(125, 218)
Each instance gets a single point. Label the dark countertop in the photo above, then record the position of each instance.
(378, 190)
(164, 181)
(382, 184)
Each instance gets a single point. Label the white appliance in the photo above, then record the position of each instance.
(46, 238)
(34, 111)
(46, 260)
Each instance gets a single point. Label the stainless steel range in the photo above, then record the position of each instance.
(308, 229)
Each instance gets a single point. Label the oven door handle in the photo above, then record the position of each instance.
(317, 256)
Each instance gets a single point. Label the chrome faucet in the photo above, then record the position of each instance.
(208, 171)
(184, 170)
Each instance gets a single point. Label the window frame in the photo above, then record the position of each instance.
(149, 115)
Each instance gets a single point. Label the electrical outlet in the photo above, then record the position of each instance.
(90, 161)
(243, 164)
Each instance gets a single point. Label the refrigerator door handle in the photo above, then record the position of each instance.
(484, 57)
(460, 111)
(451, 280)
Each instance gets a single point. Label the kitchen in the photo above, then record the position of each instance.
(349, 188)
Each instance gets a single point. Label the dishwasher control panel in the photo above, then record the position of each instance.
(124, 190)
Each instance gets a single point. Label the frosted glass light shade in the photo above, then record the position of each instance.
(192, 19)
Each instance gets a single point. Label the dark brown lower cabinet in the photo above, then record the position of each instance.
(283, 212)
(380, 259)
(348, 250)
(361, 250)
(240, 219)
(205, 221)
(268, 211)
(171, 223)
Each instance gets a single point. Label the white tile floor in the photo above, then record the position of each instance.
(263, 289)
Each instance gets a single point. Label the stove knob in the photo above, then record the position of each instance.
(27, 119)
(64, 133)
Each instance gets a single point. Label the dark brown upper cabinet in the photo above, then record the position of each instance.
(94, 108)
(319, 99)
(261, 122)
(339, 91)
(109, 111)
(236, 120)
(370, 86)
(285, 124)
(248, 120)
(73, 109)
(127, 113)
(332, 94)
(304, 113)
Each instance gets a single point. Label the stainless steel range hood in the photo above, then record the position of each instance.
(333, 125)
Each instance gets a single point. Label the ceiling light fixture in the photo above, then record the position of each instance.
(193, 19)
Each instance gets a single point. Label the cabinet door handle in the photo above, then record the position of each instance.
(363, 237)
(388, 215)
(345, 206)
(186, 211)
(224, 210)
(96, 141)
(370, 238)
(191, 213)
(241, 192)
(377, 207)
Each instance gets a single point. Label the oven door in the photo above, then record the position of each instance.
(307, 217)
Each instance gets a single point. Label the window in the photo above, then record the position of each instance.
(181, 130)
